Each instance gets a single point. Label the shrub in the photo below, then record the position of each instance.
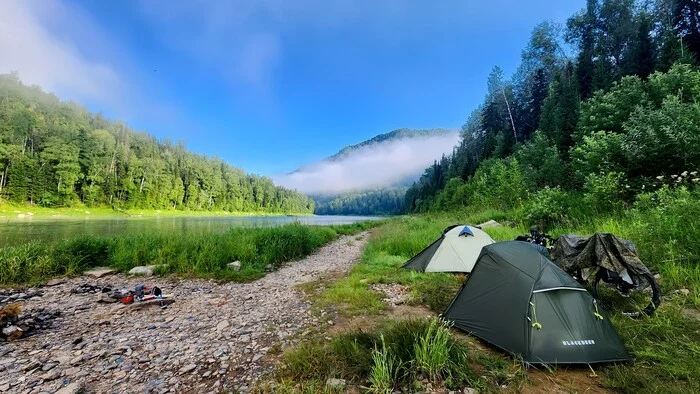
(603, 192)
(547, 207)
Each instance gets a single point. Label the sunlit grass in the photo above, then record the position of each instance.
(203, 255)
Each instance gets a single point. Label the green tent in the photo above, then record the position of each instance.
(518, 300)
(455, 251)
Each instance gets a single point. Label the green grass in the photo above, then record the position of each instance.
(203, 255)
(19, 212)
(666, 346)
(401, 354)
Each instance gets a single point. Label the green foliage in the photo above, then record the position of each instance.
(547, 207)
(604, 192)
(193, 254)
(598, 152)
(54, 153)
(399, 354)
(540, 163)
(373, 202)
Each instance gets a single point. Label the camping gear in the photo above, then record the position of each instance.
(621, 278)
(518, 300)
(455, 251)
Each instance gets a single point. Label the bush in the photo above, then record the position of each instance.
(547, 207)
(603, 192)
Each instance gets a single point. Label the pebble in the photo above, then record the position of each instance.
(213, 338)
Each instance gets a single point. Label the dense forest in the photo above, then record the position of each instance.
(55, 153)
(617, 118)
(388, 201)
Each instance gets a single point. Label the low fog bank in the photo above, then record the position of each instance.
(379, 165)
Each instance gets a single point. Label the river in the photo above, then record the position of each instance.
(47, 230)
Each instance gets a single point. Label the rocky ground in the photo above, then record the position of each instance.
(213, 338)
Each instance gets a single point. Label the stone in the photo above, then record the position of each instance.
(72, 388)
(12, 332)
(56, 282)
(268, 267)
(71, 371)
(104, 297)
(257, 357)
(31, 365)
(76, 360)
(490, 223)
(143, 270)
(468, 390)
(187, 368)
(244, 338)
(100, 272)
(335, 383)
(222, 325)
(236, 265)
(52, 375)
(49, 366)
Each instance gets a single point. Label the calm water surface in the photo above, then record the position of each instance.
(47, 230)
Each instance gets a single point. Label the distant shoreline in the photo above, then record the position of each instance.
(20, 213)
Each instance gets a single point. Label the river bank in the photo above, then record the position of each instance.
(195, 254)
(214, 338)
(13, 212)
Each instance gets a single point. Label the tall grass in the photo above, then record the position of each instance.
(192, 254)
(383, 370)
(665, 229)
(398, 355)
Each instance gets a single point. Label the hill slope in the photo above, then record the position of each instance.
(370, 177)
(55, 153)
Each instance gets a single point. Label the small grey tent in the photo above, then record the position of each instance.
(455, 251)
(518, 300)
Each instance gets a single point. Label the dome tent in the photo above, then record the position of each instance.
(518, 300)
(455, 251)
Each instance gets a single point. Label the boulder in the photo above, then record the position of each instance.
(100, 272)
(236, 265)
(12, 332)
(104, 297)
(143, 270)
(490, 223)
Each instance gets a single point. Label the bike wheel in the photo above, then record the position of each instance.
(639, 300)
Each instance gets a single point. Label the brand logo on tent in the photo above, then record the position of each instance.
(578, 343)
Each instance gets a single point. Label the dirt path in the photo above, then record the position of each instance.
(213, 338)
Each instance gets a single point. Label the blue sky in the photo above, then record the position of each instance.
(270, 85)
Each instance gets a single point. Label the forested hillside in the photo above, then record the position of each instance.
(55, 153)
(387, 201)
(393, 135)
(615, 122)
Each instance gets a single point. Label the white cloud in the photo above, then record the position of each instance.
(40, 56)
(377, 165)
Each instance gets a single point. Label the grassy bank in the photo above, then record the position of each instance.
(665, 345)
(202, 255)
(19, 212)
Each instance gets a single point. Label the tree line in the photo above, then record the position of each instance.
(55, 153)
(371, 202)
(606, 105)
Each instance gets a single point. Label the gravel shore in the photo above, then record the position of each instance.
(213, 338)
